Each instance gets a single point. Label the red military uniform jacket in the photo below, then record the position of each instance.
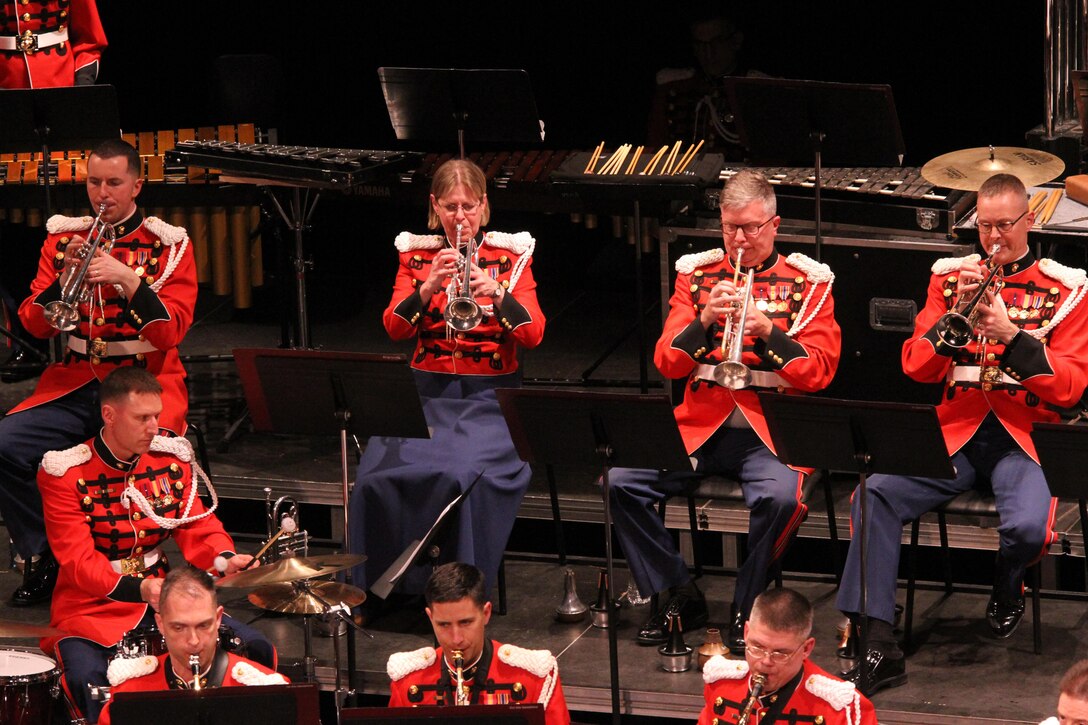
(114, 331)
(505, 674)
(152, 674)
(491, 348)
(49, 43)
(1045, 365)
(813, 696)
(104, 548)
(802, 354)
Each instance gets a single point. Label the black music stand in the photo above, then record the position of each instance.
(1063, 454)
(270, 705)
(596, 431)
(859, 437)
(515, 714)
(320, 392)
(436, 104)
(423, 549)
(791, 122)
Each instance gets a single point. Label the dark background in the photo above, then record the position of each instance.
(966, 73)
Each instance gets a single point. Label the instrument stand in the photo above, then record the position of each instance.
(596, 432)
(861, 438)
(325, 393)
(298, 222)
(792, 122)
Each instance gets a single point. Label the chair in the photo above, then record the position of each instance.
(976, 504)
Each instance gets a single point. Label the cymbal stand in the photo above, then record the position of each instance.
(343, 613)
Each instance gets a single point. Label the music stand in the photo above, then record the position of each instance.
(321, 392)
(435, 104)
(1063, 455)
(859, 437)
(512, 714)
(790, 122)
(601, 431)
(269, 705)
(420, 548)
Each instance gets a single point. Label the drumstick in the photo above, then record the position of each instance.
(634, 160)
(652, 163)
(1052, 204)
(607, 168)
(593, 158)
(667, 167)
(1036, 200)
(287, 526)
(690, 157)
(621, 157)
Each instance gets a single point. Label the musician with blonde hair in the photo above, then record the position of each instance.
(467, 300)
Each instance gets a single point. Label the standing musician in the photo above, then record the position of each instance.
(49, 43)
(776, 681)
(403, 484)
(490, 673)
(189, 617)
(790, 342)
(139, 305)
(1026, 354)
(110, 505)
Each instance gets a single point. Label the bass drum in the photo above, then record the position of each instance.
(27, 682)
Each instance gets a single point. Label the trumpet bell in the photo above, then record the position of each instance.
(954, 330)
(62, 316)
(733, 375)
(463, 314)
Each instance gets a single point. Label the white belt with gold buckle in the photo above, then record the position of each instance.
(760, 378)
(136, 564)
(30, 42)
(103, 348)
(971, 374)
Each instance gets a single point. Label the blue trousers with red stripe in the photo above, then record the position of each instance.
(772, 493)
(1021, 496)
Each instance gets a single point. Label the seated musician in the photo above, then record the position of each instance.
(110, 505)
(403, 484)
(790, 343)
(189, 616)
(1072, 697)
(491, 673)
(139, 307)
(793, 687)
(1025, 357)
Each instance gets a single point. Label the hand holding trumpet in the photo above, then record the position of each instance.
(992, 320)
(725, 300)
(103, 268)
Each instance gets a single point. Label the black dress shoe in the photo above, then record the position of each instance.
(735, 640)
(38, 582)
(1004, 616)
(883, 671)
(693, 615)
(22, 365)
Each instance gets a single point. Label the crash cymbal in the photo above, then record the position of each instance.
(967, 169)
(15, 630)
(299, 597)
(292, 569)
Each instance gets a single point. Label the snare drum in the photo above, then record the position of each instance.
(26, 687)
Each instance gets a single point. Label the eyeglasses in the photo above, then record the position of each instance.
(776, 656)
(750, 230)
(986, 228)
(468, 207)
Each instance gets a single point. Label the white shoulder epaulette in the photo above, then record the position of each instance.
(123, 669)
(408, 242)
(179, 447)
(837, 693)
(519, 243)
(1071, 277)
(537, 661)
(247, 674)
(402, 664)
(168, 233)
(719, 668)
(690, 262)
(952, 264)
(57, 463)
(59, 223)
(672, 75)
(816, 272)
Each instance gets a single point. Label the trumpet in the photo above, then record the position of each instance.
(731, 372)
(460, 697)
(194, 665)
(758, 681)
(63, 314)
(462, 313)
(956, 328)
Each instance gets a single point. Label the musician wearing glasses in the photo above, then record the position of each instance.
(468, 300)
(467, 668)
(111, 504)
(189, 617)
(776, 681)
(742, 318)
(1005, 336)
(133, 308)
